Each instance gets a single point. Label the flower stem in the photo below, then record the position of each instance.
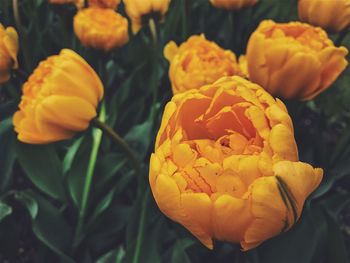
(97, 136)
(119, 140)
(16, 13)
(153, 28)
(141, 228)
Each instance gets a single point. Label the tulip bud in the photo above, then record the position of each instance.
(233, 4)
(102, 29)
(112, 4)
(59, 99)
(293, 60)
(140, 11)
(332, 15)
(198, 62)
(8, 52)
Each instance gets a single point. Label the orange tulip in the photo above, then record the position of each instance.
(59, 99)
(101, 28)
(8, 52)
(197, 62)
(233, 4)
(112, 4)
(293, 60)
(140, 11)
(332, 15)
(226, 165)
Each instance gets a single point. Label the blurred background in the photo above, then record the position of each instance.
(40, 186)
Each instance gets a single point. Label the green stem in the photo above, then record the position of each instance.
(119, 140)
(141, 228)
(97, 136)
(153, 28)
(16, 13)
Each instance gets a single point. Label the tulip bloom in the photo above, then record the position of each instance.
(233, 4)
(112, 4)
(59, 99)
(102, 29)
(198, 62)
(293, 60)
(333, 16)
(140, 11)
(226, 164)
(8, 52)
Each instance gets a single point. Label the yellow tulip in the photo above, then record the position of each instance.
(112, 4)
(59, 99)
(332, 15)
(293, 60)
(8, 52)
(140, 11)
(226, 164)
(102, 29)
(198, 62)
(233, 4)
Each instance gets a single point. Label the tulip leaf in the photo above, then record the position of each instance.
(29, 202)
(5, 210)
(49, 226)
(179, 250)
(7, 152)
(43, 167)
(77, 168)
(115, 256)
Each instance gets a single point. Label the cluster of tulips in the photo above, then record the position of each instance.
(225, 163)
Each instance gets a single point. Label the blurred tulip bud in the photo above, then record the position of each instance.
(112, 4)
(332, 15)
(8, 52)
(233, 4)
(140, 11)
(198, 62)
(102, 29)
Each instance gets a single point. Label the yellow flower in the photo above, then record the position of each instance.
(8, 52)
(333, 15)
(293, 60)
(226, 165)
(233, 4)
(140, 11)
(101, 28)
(112, 4)
(59, 99)
(198, 62)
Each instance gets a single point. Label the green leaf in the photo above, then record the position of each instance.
(77, 171)
(29, 202)
(7, 152)
(5, 210)
(69, 157)
(50, 227)
(103, 205)
(179, 250)
(43, 167)
(115, 256)
(337, 250)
